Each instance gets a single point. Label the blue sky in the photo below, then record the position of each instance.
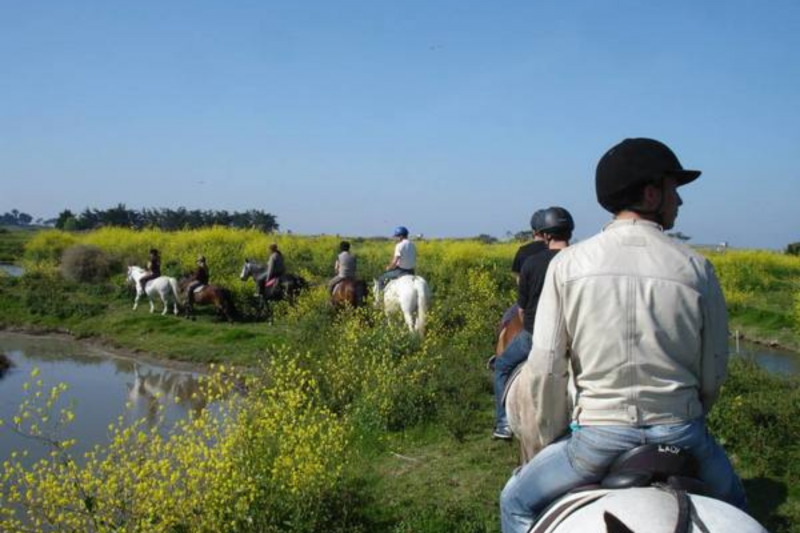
(453, 117)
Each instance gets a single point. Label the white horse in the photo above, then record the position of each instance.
(164, 286)
(642, 510)
(409, 294)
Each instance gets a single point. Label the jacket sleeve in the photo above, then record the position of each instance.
(549, 361)
(714, 363)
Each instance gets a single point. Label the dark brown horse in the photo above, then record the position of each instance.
(351, 292)
(219, 297)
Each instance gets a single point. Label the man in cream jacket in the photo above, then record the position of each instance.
(642, 322)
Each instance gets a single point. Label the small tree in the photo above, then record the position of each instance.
(793, 248)
(84, 263)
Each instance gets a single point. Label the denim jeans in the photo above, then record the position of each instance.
(514, 354)
(394, 273)
(584, 456)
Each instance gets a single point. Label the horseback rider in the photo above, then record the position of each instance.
(153, 268)
(523, 253)
(534, 247)
(198, 279)
(275, 267)
(345, 266)
(404, 260)
(555, 226)
(641, 321)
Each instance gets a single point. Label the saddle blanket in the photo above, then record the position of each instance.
(198, 289)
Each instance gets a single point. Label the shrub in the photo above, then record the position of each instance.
(793, 248)
(84, 263)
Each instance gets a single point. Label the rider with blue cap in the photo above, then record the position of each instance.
(404, 260)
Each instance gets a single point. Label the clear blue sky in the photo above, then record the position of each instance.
(453, 117)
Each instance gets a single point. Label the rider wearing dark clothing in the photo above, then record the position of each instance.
(556, 228)
(525, 251)
(153, 267)
(531, 282)
(199, 278)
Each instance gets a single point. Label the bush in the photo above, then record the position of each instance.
(47, 294)
(85, 264)
(793, 248)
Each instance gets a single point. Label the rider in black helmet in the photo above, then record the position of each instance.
(641, 321)
(555, 225)
(153, 268)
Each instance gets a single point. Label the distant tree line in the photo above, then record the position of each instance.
(17, 218)
(165, 219)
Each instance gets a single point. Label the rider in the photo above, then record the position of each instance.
(275, 265)
(524, 252)
(404, 260)
(345, 266)
(153, 268)
(555, 226)
(534, 247)
(641, 320)
(198, 279)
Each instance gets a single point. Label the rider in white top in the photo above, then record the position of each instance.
(404, 260)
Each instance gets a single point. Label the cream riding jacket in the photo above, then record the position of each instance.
(641, 319)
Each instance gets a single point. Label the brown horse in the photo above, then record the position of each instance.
(219, 297)
(351, 292)
(507, 334)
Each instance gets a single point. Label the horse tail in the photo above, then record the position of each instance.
(423, 297)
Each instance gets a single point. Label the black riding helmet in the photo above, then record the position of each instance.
(556, 220)
(635, 163)
(536, 220)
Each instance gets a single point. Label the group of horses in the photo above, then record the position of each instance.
(409, 294)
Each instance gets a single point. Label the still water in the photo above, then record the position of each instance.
(100, 386)
(11, 270)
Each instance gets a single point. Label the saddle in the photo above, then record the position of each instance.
(664, 466)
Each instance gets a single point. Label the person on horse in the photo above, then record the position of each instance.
(345, 266)
(153, 268)
(404, 260)
(523, 252)
(275, 268)
(198, 279)
(641, 321)
(555, 226)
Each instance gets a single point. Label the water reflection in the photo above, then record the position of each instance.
(775, 360)
(12, 270)
(100, 386)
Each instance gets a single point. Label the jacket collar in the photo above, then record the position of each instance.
(625, 222)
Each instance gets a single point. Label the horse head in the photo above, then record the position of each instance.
(247, 270)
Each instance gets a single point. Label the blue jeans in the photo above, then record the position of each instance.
(584, 456)
(514, 354)
(394, 273)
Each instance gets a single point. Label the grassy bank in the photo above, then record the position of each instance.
(350, 425)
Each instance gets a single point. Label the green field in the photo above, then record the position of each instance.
(350, 425)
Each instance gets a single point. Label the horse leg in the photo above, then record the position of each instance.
(152, 305)
(165, 301)
(136, 299)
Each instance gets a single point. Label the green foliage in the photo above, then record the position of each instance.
(47, 294)
(83, 263)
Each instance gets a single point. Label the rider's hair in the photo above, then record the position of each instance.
(273, 247)
(344, 246)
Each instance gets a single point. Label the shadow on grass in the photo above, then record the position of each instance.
(764, 497)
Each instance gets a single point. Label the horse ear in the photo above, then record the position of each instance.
(614, 524)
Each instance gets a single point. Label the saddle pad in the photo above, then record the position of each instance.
(198, 289)
(271, 283)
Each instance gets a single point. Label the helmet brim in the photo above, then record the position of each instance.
(682, 177)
